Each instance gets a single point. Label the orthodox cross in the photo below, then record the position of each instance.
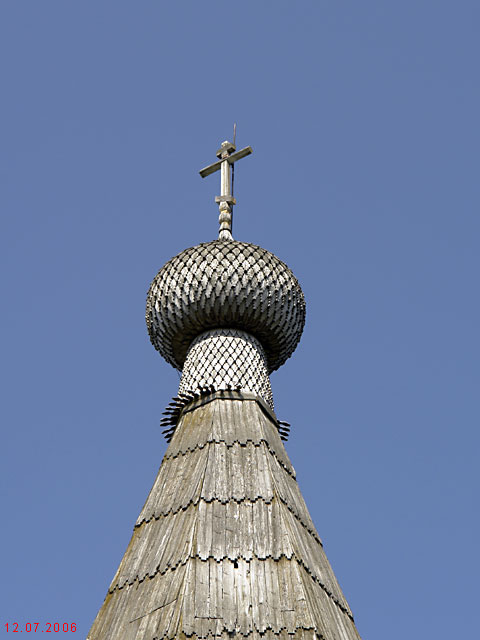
(227, 155)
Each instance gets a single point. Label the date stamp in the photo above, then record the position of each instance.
(41, 627)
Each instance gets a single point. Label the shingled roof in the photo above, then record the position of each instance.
(224, 546)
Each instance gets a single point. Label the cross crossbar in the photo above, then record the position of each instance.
(238, 155)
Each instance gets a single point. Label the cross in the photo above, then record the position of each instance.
(227, 155)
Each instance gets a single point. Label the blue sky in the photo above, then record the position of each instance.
(363, 117)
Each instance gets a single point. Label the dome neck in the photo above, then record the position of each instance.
(226, 359)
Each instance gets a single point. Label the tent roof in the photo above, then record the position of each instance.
(224, 545)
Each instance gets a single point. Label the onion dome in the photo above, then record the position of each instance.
(225, 284)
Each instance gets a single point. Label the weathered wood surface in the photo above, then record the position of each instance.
(224, 543)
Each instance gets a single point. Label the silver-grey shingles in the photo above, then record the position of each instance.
(225, 284)
(224, 543)
(226, 359)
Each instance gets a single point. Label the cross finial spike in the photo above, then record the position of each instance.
(227, 155)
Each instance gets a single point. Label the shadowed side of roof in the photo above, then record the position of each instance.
(224, 545)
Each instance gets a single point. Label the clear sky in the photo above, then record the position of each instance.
(364, 120)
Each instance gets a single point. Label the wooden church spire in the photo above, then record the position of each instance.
(224, 546)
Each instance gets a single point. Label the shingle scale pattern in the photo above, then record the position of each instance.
(225, 284)
(226, 358)
(224, 544)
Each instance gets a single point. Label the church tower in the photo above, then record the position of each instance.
(224, 546)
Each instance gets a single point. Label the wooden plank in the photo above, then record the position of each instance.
(244, 596)
(229, 608)
(218, 550)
